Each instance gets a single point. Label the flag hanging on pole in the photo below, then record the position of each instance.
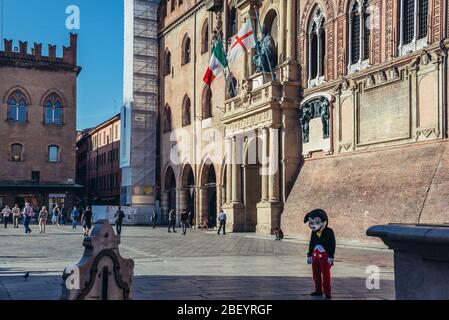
(242, 42)
(217, 65)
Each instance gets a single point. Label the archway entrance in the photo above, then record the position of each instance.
(170, 188)
(209, 195)
(252, 184)
(188, 185)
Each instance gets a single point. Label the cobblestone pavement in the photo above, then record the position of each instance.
(200, 265)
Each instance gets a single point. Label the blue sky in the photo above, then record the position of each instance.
(100, 47)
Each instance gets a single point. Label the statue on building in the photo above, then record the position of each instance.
(306, 115)
(265, 59)
(324, 114)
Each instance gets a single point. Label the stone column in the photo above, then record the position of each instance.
(319, 52)
(274, 165)
(350, 41)
(165, 206)
(236, 173)
(310, 36)
(219, 196)
(415, 27)
(229, 170)
(281, 33)
(265, 164)
(183, 195)
(291, 15)
(178, 202)
(203, 204)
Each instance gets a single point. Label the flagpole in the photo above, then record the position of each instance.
(273, 77)
(228, 68)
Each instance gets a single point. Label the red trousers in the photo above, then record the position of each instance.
(321, 272)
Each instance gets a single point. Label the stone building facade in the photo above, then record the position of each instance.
(98, 163)
(353, 120)
(38, 124)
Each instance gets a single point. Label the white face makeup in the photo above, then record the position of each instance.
(316, 224)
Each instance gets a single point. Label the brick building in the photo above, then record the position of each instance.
(38, 124)
(354, 119)
(98, 163)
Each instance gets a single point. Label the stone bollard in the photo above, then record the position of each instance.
(101, 274)
(421, 259)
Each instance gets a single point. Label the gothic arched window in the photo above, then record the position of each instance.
(16, 152)
(207, 103)
(17, 107)
(167, 119)
(186, 114)
(359, 33)
(167, 63)
(53, 110)
(205, 37)
(413, 24)
(186, 50)
(316, 48)
(232, 22)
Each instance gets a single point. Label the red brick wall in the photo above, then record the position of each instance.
(34, 135)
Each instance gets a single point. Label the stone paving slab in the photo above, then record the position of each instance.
(200, 265)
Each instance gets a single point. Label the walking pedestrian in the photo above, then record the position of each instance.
(74, 216)
(154, 218)
(6, 214)
(184, 218)
(86, 220)
(16, 216)
(62, 215)
(172, 220)
(43, 217)
(55, 217)
(222, 219)
(119, 215)
(27, 213)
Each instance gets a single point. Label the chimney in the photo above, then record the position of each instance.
(52, 52)
(23, 49)
(37, 51)
(8, 46)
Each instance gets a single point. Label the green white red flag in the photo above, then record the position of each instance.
(218, 63)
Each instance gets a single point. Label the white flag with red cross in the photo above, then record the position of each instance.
(242, 42)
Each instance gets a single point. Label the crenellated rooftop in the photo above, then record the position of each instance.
(35, 59)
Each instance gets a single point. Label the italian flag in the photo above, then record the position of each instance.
(217, 64)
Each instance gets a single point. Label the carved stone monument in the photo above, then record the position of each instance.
(421, 259)
(101, 274)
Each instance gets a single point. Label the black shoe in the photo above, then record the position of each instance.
(316, 294)
(169, 231)
(328, 297)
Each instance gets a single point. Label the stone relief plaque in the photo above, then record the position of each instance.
(384, 114)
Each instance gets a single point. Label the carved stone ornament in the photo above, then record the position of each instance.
(101, 274)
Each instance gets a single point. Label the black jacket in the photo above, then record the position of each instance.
(327, 241)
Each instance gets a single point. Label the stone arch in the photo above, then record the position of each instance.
(205, 36)
(21, 89)
(328, 11)
(58, 93)
(208, 193)
(186, 50)
(169, 193)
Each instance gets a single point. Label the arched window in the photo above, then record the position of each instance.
(207, 103)
(186, 50)
(205, 37)
(359, 33)
(271, 24)
(413, 24)
(167, 119)
(167, 63)
(16, 152)
(53, 153)
(17, 107)
(317, 48)
(232, 22)
(53, 110)
(186, 115)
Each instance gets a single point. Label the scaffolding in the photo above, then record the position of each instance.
(139, 178)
